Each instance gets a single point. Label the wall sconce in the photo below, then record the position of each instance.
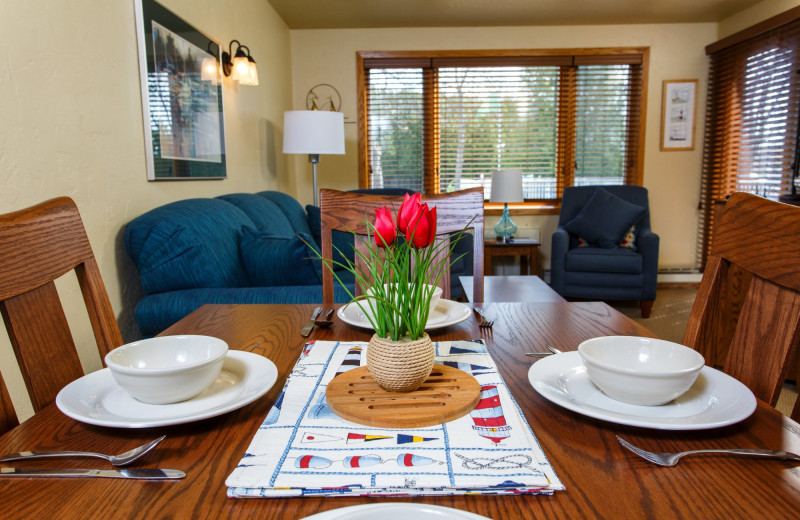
(243, 67)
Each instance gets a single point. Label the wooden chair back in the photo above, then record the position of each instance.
(748, 303)
(344, 211)
(38, 245)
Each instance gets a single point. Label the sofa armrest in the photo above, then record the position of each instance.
(558, 256)
(648, 243)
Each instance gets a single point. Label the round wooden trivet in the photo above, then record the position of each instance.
(447, 394)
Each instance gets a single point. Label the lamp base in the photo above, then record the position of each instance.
(505, 227)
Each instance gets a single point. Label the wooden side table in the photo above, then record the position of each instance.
(525, 248)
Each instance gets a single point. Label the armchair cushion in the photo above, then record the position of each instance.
(628, 241)
(272, 260)
(604, 260)
(605, 219)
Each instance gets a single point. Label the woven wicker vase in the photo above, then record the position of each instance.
(400, 366)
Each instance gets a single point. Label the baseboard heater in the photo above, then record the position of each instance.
(665, 275)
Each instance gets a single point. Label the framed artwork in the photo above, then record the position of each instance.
(181, 97)
(678, 111)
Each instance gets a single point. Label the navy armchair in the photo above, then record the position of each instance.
(595, 255)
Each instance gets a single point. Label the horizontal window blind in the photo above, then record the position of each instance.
(494, 118)
(440, 124)
(396, 128)
(751, 120)
(607, 123)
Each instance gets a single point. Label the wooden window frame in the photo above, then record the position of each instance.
(566, 147)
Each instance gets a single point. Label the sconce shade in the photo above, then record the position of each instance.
(506, 186)
(209, 70)
(242, 67)
(252, 73)
(313, 132)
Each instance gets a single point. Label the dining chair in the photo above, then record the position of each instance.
(38, 245)
(748, 302)
(345, 211)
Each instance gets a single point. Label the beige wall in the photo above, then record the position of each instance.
(676, 52)
(72, 125)
(761, 11)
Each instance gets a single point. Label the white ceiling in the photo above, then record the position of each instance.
(321, 14)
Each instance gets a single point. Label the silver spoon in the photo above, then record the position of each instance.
(552, 350)
(117, 460)
(324, 319)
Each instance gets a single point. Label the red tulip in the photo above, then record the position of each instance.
(407, 210)
(384, 227)
(422, 227)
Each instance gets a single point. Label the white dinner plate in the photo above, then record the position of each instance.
(396, 511)
(445, 314)
(716, 399)
(97, 399)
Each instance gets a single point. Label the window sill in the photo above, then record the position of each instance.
(531, 208)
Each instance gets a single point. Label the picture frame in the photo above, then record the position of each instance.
(678, 114)
(181, 85)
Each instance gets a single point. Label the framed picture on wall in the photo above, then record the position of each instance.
(678, 110)
(181, 97)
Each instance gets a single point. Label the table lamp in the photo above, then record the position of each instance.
(313, 132)
(506, 187)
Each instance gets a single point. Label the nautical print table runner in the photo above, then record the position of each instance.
(304, 449)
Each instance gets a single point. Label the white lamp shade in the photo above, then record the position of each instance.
(313, 132)
(506, 186)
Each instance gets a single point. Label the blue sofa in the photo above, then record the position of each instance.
(198, 251)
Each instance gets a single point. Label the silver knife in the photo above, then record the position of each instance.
(306, 330)
(147, 474)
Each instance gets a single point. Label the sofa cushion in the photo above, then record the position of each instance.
(604, 260)
(291, 209)
(188, 244)
(264, 213)
(272, 260)
(340, 240)
(605, 219)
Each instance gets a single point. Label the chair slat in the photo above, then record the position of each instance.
(37, 318)
(766, 331)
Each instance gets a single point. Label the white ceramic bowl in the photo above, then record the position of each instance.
(637, 370)
(168, 369)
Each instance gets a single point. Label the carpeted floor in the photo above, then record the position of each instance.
(668, 321)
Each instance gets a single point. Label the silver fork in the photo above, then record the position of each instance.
(485, 323)
(671, 459)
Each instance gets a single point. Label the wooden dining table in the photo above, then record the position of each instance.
(602, 479)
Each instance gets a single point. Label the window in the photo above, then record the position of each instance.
(751, 119)
(436, 122)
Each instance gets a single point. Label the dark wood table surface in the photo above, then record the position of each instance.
(602, 480)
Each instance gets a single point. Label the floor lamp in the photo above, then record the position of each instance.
(313, 132)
